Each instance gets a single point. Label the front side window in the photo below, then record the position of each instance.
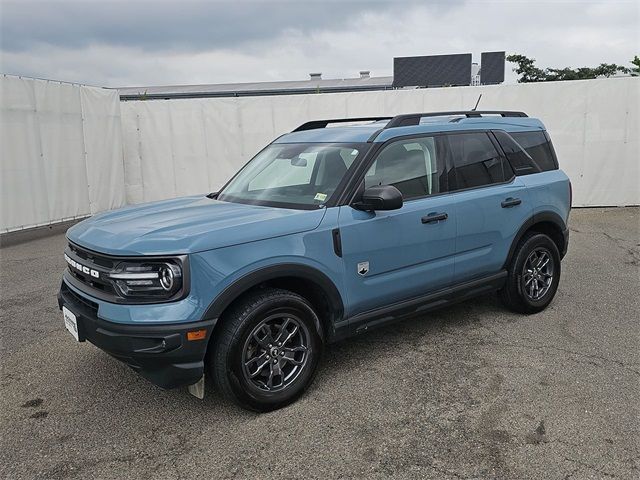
(476, 161)
(413, 166)
(292, 175)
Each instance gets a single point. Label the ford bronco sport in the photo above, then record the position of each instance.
(326, 233)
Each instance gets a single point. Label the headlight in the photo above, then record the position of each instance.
(150, 279)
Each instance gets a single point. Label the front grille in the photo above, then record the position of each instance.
(92, 257)
(94, 261)
(91, 282)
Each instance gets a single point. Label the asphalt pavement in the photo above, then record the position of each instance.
(472, 391)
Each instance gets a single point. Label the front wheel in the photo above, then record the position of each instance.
(533, 274)
(265, 353)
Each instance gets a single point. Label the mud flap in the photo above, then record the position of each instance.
(197, 389)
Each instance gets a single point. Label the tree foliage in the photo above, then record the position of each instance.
(528, 71)
(635, 70)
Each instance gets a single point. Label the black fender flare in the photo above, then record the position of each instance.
(256, 277)
(546, 216)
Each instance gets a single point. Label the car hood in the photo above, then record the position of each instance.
(187, 225)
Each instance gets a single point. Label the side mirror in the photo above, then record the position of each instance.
(380, 197)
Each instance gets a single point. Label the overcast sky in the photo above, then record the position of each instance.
(131, 43)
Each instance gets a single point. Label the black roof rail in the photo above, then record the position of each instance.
(414, 118)
(323, 123)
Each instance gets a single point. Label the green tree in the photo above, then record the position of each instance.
(525, 67)
(635, 70)
(528, 72)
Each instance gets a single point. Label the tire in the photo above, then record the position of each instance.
(249, 337)
(519, 292)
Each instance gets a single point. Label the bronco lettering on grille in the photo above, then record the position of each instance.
(81, 268)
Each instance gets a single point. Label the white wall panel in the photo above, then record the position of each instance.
(224, 156)
(287, 109)
(102, 140)
(59, 119)
(23, 187)
(593, 124)
(156, 151)
(61, 152)
(131, 144)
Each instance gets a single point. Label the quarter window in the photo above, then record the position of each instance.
(412, 166)
(476, 161)
(519, 159)
(538, 147)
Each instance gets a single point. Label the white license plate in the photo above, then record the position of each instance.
(70, 322)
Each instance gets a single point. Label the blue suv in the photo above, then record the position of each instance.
(328, 232)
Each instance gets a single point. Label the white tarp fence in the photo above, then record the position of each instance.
(67, 150)
(61, 152)
(180, 147)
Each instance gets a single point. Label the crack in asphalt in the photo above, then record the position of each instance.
(67, 469)
(559, 349)
(632, 251)
(619, 363)
(589, 467)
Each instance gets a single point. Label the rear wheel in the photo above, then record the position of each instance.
(265, 353)
(533, 274)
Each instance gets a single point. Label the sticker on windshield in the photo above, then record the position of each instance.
(321, 197)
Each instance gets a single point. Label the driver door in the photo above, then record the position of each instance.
(395, 255)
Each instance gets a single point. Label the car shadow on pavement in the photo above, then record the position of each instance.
(121, 388)
(403, 336)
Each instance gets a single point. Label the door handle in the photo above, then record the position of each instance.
(511, 202)
(434, 217)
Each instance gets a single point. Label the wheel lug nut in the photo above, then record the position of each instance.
(275, 361)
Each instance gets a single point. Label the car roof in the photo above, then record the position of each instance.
(431, 123)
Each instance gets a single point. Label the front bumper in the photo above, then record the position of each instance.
(160, 353)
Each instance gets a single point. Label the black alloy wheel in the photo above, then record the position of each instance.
(275, 352)
(537, 273)
(533, 274)
(264, 353)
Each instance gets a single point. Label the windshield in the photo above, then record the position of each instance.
(299, 175)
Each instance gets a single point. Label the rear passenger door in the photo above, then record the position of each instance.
(491, 204)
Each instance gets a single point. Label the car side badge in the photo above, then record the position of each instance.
(363, 268)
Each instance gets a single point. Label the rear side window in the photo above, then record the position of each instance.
(476, 161)
(538, 146)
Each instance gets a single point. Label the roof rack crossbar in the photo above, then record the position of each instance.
(323, 123)
(414, 118)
